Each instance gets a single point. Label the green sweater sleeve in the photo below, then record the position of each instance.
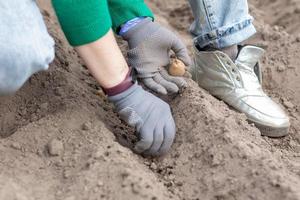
(122, 11)
(83, 21)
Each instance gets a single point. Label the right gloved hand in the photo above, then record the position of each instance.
(149, 54)
(150, 116)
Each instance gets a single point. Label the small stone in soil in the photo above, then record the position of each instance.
(179, 183)
(100, 184)
(276, 28)
(281, 68)
(100, 93)
(147, 163)
(44, 106)
(98, 154)
(288, 104)
(153, 166)
(55, 147)
(87, 126)
(16, 146)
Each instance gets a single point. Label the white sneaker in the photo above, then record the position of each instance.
(239, 85)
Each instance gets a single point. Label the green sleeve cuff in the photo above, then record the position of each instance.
(83, 21)
(122, 11)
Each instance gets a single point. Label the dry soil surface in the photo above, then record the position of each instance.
(61, 139)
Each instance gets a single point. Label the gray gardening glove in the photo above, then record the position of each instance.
(149, 53)
(150, 116)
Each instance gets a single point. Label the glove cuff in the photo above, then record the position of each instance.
(123, 86)
(119, 97)
(140, 32)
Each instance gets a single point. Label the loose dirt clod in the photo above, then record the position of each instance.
(177, 68)
(86, 126)
(281, 68)
(16, 146)
(153, 166)
(55, 147)
(44, 106)
(288, 104)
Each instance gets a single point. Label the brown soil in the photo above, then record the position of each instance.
(61, 138)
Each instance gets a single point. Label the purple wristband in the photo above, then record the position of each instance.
(121, 87)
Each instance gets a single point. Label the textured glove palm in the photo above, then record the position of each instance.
(150, 116)
(149, 53)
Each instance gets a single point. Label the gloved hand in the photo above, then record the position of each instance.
(149, 54)
(150, 116)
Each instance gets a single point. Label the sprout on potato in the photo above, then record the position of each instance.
(177, 68)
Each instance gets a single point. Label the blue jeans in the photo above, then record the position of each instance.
(221, 23)
(25, 45)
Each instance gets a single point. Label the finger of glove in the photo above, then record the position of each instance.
(169, 86)
(151, 84)
(180, 82)
(169, 136)
(181, 51)
(146, 138)
(157, 141)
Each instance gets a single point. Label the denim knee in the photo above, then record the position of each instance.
(25, 44)
(12, 79)
(18, 64)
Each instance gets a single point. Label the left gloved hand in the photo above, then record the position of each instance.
(149, 53)
(151, 117)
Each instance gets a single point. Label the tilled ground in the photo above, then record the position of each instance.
(61, 138)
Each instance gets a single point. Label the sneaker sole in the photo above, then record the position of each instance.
(266, 130)
(271, 131)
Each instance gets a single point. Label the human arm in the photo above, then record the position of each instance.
(135, 106)
(149, 45)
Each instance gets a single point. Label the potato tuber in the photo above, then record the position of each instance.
(177, 68)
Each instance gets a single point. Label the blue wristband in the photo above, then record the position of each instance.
(130, 24)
